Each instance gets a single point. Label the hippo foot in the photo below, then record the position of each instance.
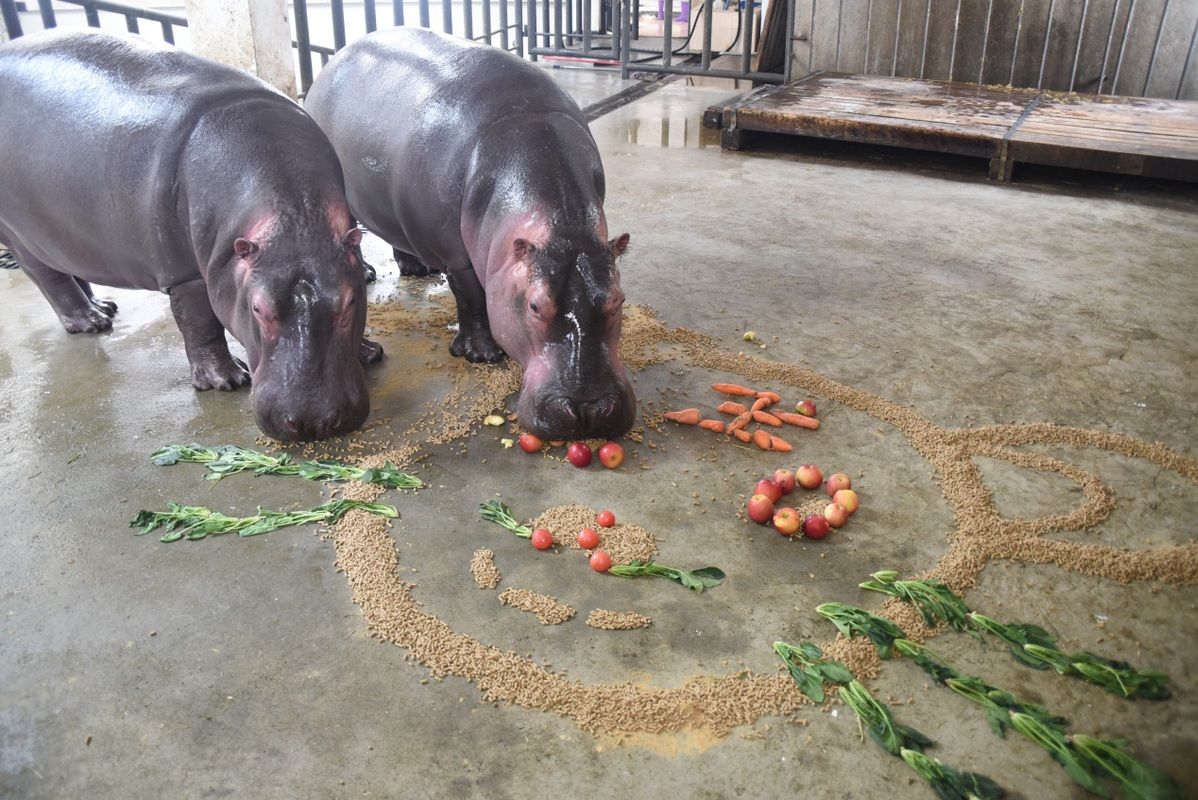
(410, 266)
(369, 352)
(88, 320)
(104, 306)
(225, 375)
(477, 347)
(368, 271)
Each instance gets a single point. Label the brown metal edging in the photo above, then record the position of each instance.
(1001, 165)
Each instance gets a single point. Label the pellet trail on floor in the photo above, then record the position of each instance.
(549, 610)
(617, 620)
(482, 567)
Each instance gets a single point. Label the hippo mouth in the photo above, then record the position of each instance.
(565, 416)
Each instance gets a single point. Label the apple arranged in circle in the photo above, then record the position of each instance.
(579, 454)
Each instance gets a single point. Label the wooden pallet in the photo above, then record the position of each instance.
(1127, 135)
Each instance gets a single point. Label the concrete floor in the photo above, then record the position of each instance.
(240, 668)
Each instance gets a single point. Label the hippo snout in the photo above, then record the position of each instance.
(300, 419)
(563, 416)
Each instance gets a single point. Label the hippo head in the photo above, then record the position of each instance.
(301, 313)
(559, 315)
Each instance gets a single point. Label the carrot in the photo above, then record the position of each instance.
(688, 416)
(740, 422)
(712, 425)
(729, 407)
(733, 389)
(781, 445)
(760, 403)
(761, 439)
(774, 397)
(766, 419)
(809, 423)
(742, 435)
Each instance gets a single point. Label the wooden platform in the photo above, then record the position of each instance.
(1127, 135)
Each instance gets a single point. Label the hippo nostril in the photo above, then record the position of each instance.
(291, 423)
(567, 407)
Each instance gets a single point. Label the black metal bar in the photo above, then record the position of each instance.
(12, 21)
(447, 16)
(519, 28)
(92, 14)
(569, 22)
(586, 26)
(1047, 38)
(168, 33)
(46, 7)
(1077, 50)
(544, 22)
(324, 59)
(424, 23)
(557, 23)
(746, 32)
(787, 69)
(1155, 46)
(487, 21)
(1106, 53)
(338, 9)
(681, 69)
(625, 24)
(303, 44)
(131, 24)
(1015, 47)
(92, 7)
(1185, 67)
(397, 12)
(532, 26)
(705, 59)
(503, 26)
(372, 22)
(1131, 12)
(636, 20)
(667, 33)
(618, 9)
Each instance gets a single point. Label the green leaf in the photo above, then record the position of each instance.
(835, 672)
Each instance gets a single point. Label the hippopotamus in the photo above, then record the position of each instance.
(140, 166)
(470, 161)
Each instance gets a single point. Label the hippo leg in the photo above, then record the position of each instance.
(212, 365)
(101, 304)
(410, 266)
(474, 339)
(74, 308)
(369, 352)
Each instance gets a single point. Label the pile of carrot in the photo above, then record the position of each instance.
(745, 415)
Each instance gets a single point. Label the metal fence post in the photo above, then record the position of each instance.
(372, 23)
(303, 44)
(532, 28)
(46, 7)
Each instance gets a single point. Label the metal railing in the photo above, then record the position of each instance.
(91, 9)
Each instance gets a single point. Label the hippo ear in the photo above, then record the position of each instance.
(522, 248)
(619, 245)
(352, 238)
(244, 248)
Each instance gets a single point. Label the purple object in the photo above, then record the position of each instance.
(683, 14)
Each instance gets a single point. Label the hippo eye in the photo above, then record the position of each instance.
(257, 309)
(533, 307)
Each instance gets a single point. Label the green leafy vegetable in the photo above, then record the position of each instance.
(810, 669)
(500, 514)
(197, 522)
(853, 621)
(695, 580)
(1057, 745)
(935, 602)
(1139, 781)
(951, 784)
(230, 459)
(876, 717)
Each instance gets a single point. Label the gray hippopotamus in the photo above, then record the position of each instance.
(137, 166)
(469, 160)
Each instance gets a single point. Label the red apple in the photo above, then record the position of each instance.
(815, 526)
(611, 455)
(600, 561)
(542, 539)
(605, 519)
(768, 488)
(838, 481)
(785, 479)
(530, 442)
(588, 539)
(578, 454)
(786, 521)
(809, 476)
(760, 508)
(806, 408)
(847, 498)
(836, 515)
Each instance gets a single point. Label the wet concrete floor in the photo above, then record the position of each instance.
(241, 668)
